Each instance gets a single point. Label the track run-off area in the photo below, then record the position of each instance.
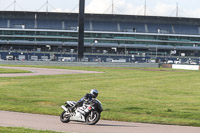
(47, 122)
(41, 71)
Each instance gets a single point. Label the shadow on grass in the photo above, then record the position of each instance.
(134, 108)
(106, 110)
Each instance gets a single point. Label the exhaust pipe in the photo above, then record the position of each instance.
(63, 107)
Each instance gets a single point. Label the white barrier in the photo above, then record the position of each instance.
(120, 60)
(186, 67)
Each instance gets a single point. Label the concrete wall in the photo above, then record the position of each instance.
(95, 64)
(181, 66)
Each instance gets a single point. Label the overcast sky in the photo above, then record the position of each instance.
(187, 8)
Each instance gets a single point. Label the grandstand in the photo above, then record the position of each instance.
(53, 36)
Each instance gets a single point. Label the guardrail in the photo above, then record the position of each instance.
(93, 64)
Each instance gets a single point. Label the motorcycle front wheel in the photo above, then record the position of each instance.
(92, 120)
(65, 117)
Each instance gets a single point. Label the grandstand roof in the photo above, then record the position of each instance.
(98, 17)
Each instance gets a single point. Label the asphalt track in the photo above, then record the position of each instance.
(42, 71)
(46, 122)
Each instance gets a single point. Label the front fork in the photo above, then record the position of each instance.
(64, 108)
(92, 114)
(67, 111)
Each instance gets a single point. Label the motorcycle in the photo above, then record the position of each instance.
(89, 113)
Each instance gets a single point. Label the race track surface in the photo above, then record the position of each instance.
(42, 71)
(46, 122)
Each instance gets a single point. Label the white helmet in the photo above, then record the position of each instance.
(94, 93)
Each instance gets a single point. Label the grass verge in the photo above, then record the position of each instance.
(22, 130)
(4, 71)
(161, 96)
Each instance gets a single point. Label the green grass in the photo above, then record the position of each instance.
(138, 95)
(4, 71)
(22, 130)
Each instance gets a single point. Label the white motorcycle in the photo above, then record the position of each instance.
(89, 113)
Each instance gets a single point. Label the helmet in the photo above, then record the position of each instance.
(94, 93)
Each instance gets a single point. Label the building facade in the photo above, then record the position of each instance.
(135, 38)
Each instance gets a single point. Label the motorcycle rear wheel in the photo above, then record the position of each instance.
(92, 120)
(64, 118)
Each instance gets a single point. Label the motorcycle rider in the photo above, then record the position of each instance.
(88, 97)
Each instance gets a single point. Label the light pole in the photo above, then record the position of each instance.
(125, 50)
(81, 29)
(156, 50)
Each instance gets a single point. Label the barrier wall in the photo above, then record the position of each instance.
(94, 64)
(185, 67)
(181, 66)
